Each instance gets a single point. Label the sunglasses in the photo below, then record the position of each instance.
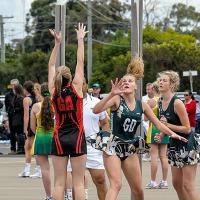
(186, 95)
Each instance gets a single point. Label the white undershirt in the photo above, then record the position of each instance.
(91, 120)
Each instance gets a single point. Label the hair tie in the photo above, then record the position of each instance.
(46, 94)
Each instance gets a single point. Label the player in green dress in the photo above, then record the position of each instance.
(120, 145)
(183, 157)
(42, 123)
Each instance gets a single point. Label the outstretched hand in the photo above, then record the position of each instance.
(117, 87)
(158, 137)
(81, 31)
(57, 36)
(178, 137)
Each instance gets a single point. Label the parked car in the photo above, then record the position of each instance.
(3, 114)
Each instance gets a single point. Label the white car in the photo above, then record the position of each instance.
(3, 113)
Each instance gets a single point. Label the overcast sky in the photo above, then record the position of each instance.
(14, 28)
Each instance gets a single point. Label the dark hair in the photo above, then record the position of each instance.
(19, 90)
(190, 94)
(47, 114)
(29, 87)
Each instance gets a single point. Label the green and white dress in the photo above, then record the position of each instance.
(180, 153)
(43, 138)
(121, 141)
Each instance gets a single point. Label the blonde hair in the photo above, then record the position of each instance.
(136, 68)
(37, 86)
(173, 78)
(156, 86)
(61, 72)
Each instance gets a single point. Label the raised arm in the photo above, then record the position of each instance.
(112, 99)
(52, 60)
(79, 72)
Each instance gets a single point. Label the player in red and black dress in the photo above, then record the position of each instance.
(68, 134)
(68, 138)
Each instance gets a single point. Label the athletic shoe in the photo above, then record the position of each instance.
(151, 185)
(37, 174)
(24, 174)
(163, 185)
(49, 198)
(67, 197)
(12, 152)
(146, 157)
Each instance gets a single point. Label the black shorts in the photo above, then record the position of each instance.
(30, 133)
(66, 143)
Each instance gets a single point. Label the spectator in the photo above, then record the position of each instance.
(17, 118)
(149, 95)
(190, 105)
(96, 90)
(90, 90)
(9, 109)
(4, 130)
(197, 129)
(37, 90)
(28, 102)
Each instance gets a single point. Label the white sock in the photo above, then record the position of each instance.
(154, 182)
(164, 181)
(38, 169)
(69, 193)
(27, 167)
(86, 193)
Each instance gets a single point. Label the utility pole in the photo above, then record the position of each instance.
(136, 48)
(190, 74)
(2, 37)
(89, 40)
(2, 40)
(60, 13)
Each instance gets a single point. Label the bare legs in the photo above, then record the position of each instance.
(132, 172)
(183, 180)
(78, 172)
(161, 151)
(98, 177)
(45, 169)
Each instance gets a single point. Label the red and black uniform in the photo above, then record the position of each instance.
(69, 137)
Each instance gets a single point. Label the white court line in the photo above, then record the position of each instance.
(17, 188)
(7, 160)
(16, 197)
(16, 161)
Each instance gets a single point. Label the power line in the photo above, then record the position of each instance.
(110, 44)
(106, 18)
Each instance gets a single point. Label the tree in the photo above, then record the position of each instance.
(35, 66)
(150, 16)
(108, 16)
(161, 51)
(41, 13)
(182, 18)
